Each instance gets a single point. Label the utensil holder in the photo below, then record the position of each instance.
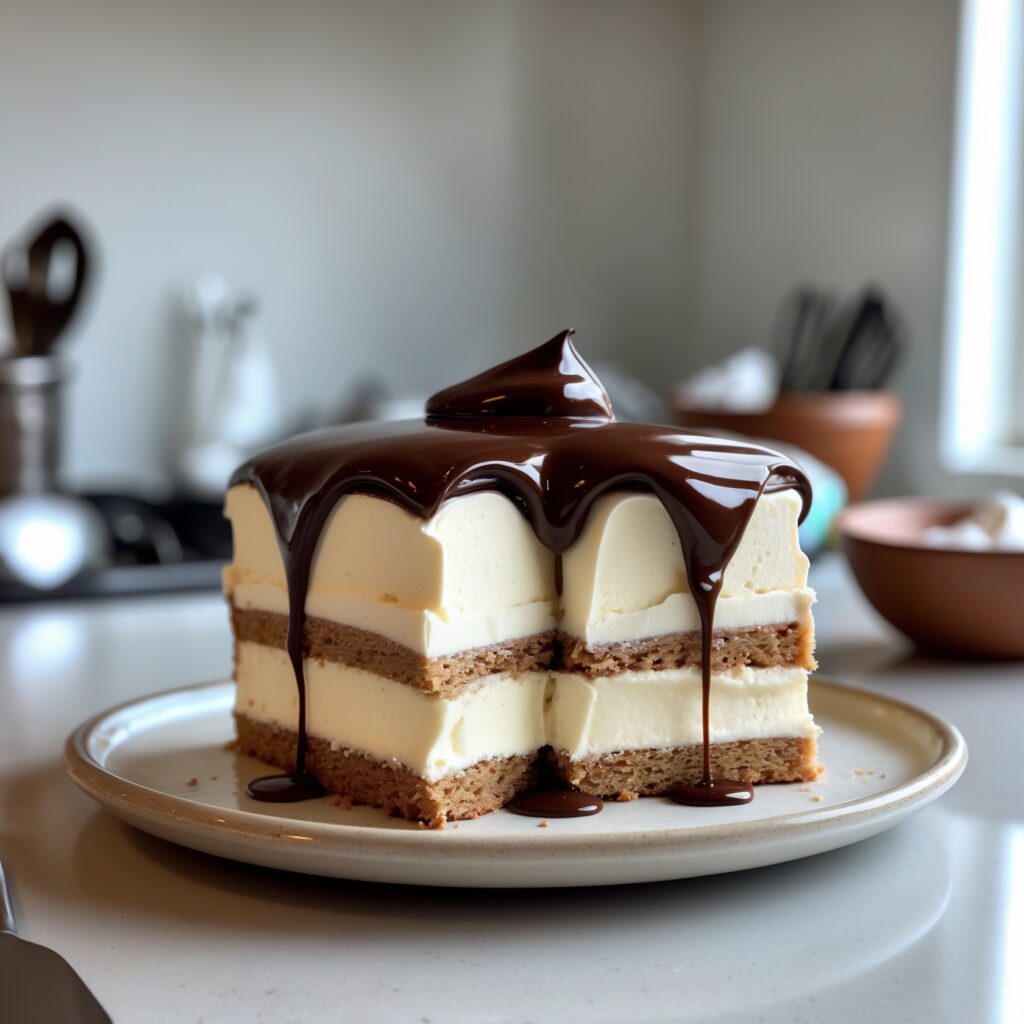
(31, 400)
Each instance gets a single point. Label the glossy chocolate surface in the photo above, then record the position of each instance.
(556, 803)
(709, 792)
(286, 789)
(540, 430)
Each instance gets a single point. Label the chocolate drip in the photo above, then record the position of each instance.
(540, 430)
(556, 803)
(710, 792)
(287, 789)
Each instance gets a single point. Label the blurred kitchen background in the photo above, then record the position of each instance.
(368, 200)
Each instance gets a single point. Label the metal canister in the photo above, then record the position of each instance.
(31, 399)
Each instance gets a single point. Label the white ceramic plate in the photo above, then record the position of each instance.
(161, 764)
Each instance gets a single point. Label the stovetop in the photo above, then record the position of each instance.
(154, 547)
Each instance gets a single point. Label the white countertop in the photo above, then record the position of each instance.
(923, 923)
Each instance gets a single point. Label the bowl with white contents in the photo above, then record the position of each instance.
(948, 574)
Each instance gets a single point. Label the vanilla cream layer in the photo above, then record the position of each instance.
(501, 717)
(471, 576)
(678, 614)
(660, 710)
(508, 715)
(475, 575)
(424, 631)
(624, 579)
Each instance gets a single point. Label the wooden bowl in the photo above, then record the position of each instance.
(848, 430)
(965, 602)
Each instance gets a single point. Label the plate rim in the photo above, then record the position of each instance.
(114, 791)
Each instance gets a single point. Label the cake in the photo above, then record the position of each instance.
(437, 616)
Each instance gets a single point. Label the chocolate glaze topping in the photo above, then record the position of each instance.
(556, 803)
(550, 381)
(540, 430)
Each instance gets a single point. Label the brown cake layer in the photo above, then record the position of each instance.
(635, 773)
(786, 646)
(361, 779)
(447, 675)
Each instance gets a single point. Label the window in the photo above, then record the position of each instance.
(983, 402)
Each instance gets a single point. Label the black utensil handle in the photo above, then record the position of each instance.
(885, 363)
(39, 318)
(870, 312)
(55, 314)
(803, 320)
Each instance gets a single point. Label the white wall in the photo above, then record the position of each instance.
(422, 188)
(412, 188)
(825, 142)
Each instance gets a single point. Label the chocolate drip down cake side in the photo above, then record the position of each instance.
(433, 616)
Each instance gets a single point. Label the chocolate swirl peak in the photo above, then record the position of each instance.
(552, 380)
(540, 430)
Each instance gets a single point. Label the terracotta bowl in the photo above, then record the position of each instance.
(965, 602)
(848, 430)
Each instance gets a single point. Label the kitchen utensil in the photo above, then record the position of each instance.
(39, 311)
(823, 349)
(45, 537)
(806, 316)
(231, 403)
(870, 349)
(964, 602)
(30, 423)
(38, 985)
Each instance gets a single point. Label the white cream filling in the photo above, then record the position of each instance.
(624, 578)
(506, 715)
(475, 575)
(501, 717)
(425, 632)
(471, 576)
(428, 634)
(678, 614)
(660, 710)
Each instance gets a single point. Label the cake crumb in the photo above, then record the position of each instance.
(192, 782)
(816, 798)
(858, 771)
(805, 789)
(214, 778)
(883, 775)
(626, 795)
(870, 771)
(542, 824)
(344, 802)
